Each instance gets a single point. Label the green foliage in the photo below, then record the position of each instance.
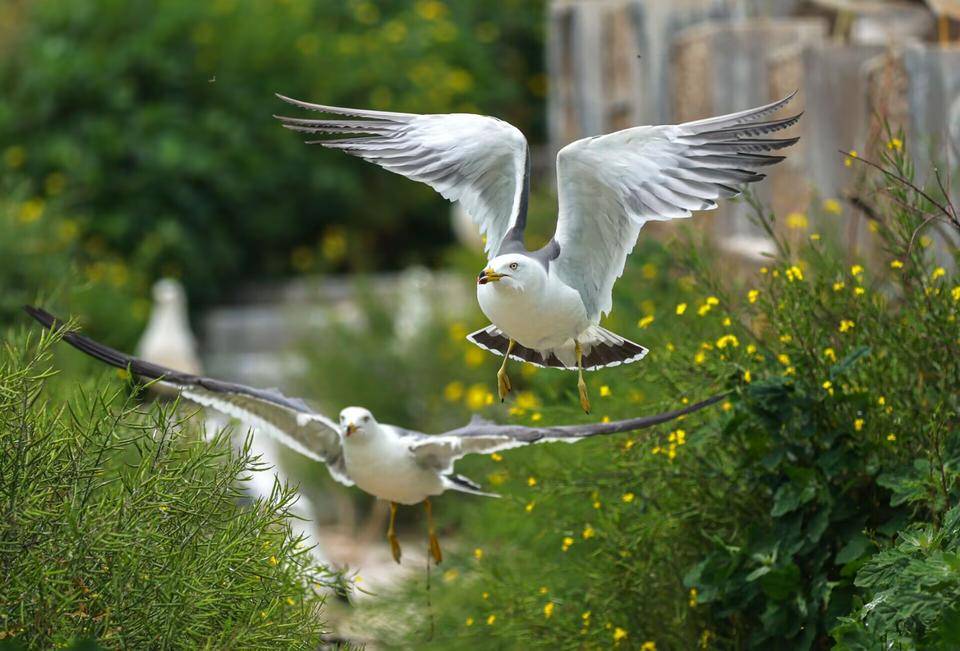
(42, 259)
(770, 520)
(915, 592)
(125, 526)
(161, 128)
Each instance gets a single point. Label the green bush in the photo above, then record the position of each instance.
(823, 484)
(156, 118)
(125, 526)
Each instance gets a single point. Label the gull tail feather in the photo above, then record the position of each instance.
(453, 481)
(601, 349)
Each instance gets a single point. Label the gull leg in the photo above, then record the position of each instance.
(434, 543)
(943, 29)
(581, 385)
(391, 534)
(503, 380)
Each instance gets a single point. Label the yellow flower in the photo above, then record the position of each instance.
(713, 300)
(763, 270)
(535, 416)
(605, 419)
(693, 598)
(955, 293)
(837, 286)
(453, 392)
(451, 575)
(751, 349)
(645, 321)
(496, 457)
(473, 357)
(848, 161)
(597, 504)
(478, 553)
(829, 354)
(846, 324)
(30, 211)
(290, 601)
(881, 401)
(529, 507)
(895, 143)
(14, 156)
(858, 424)
(891, 437)
(476, 397)
(627, 497)
(746, 377)
(753, 295)
(939, 272)
(784, 359)
(548, 610)
(567, 541)
(531, 481)
(704, 309)
(832, 207)
(794, 273)
(797, 220)
(726, 340)
(527, 400)
(648, 646)
(856, 270)
(469, 621)
(585, 616)
(491, 619)
(896, 264)
(727, 405)
(273, 561)
(619, 634)
(827, 384)
(859, 291)
(925, 241)
(815, 237)
(700, 357)
(681, 308)
(588, 532)
(604, 391)
(786, 339)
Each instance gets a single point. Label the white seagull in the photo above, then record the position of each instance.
(398, 465)
(545, 305)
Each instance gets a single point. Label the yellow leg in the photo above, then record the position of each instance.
(391, 534)
(434, 543)
(943, 29)
(581, 385)
(503, 380)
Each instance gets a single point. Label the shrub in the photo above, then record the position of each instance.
(125, 526)
(823, 484)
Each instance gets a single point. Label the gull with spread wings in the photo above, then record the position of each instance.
(398, 465)
(545, 305)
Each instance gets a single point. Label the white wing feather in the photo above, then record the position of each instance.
(610, 186)
(477, 160)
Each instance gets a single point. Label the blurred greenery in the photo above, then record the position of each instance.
(123, 525)
(155, 119)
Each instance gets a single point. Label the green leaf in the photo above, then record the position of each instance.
(844, 365)
(791, 496)
(781, 582)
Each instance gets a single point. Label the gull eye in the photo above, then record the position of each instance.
(366, 419)
(514, 265)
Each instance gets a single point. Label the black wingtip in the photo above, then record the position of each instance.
(41, 315)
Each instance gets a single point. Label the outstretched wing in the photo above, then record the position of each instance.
(480, 161)
(484, 437)
(610, 186)
(290, 420)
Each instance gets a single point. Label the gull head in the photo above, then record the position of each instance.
(167, 291)
(357, 422)
(513, 271)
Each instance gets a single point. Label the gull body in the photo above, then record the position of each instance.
(532, 306)
(379, 463)
(608, 187)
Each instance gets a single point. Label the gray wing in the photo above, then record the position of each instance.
(484, 437)
(610, 186)
(290, 420)
(480, 161)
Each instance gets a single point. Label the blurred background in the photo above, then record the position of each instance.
(137, 144)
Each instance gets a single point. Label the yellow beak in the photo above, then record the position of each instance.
(488, 275)
(351, 428)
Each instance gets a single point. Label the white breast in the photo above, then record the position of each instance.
(540, 320)
(384, 467)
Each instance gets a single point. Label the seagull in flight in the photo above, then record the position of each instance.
(545, 305)
(395, 464)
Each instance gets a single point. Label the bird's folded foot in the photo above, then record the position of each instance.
(503, 384)
(394, 547)
(435, 549)
(584, 399)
